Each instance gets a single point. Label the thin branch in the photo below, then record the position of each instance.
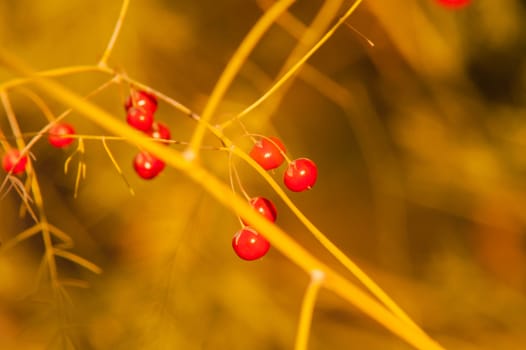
(58, 233)
(295, 67)
(55, 73)
(107, 52)
(307, 308)
(232, 68)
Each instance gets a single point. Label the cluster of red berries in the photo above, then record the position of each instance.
(247, 242)
(268, 152)
(15, 164)
(140, 109)
(300, 175)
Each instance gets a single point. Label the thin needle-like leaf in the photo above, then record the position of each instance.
(116, 165)
(78, 260)
(72, 282)
(64, 237)
(20, 237)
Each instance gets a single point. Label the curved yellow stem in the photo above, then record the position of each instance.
(115, 34)
(233, 67)
(295, 67)
(307, 309)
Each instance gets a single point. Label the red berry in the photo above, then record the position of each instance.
(263, 206)
(141, 99)
(249, 245)
(160, 132)
(300, 175)
(268, 152)
(140, 119)
(453, 3)
(57, 132)
(12, 162)
(147, 166)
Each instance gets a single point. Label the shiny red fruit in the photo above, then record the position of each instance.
(263, 206)
(57, 135)
(453, 3)
(140, 119)
(141, 99)
(268, 152)
(249, 245)
(13, 163)
(147, 166)
(160, 132)
(301, 175)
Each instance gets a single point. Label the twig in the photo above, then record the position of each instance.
(107, 52)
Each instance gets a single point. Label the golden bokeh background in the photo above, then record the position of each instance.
(419, 142)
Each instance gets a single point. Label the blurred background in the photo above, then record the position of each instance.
(418, 140)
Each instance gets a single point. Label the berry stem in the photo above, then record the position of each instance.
(232, 173)
(175, 104)
(361, 35)
(109, 48)
(231, 179)
(245, 130)
(233, 67)
(284, 154)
